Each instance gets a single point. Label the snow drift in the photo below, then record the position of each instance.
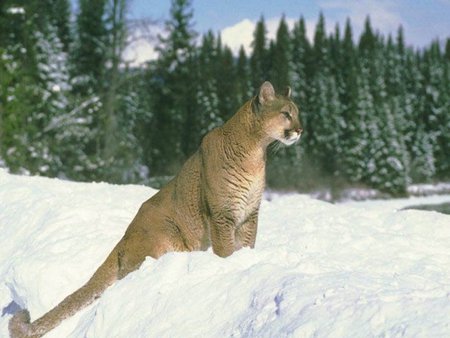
(318, 269)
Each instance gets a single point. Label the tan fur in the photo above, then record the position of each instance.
(214, 200)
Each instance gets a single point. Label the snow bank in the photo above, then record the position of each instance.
(318, 269)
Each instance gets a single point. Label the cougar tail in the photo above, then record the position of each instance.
(106, 274)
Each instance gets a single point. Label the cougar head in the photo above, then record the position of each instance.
(278, 114)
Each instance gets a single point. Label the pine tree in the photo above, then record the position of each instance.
(54, 89)
(244, 89)
(327, 120)
(36, 82)
(447, 49)
(114, 134)
(227, 81)
(423, 164)
(174, 87)
(347, 66)
(208, 115)
(435, 115)
(61, 20)
(87, 76)
(318, 73)
(281, 70)
(15, 86)
(367, 41)
(358, 164)
(392, 173)
(90, 47)
(301, 50)
(320, 49)
(348, 93)
(324, 125)
(259, 68)
(388, 151)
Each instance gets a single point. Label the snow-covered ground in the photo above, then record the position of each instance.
(319, 270)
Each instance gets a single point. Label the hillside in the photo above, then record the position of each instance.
(348, 270)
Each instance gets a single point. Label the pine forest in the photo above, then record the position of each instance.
(375, 111)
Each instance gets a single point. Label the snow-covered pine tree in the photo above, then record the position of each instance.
(357, 162)
(208, 115)
(348, 93)
(435, 116)
(325, 122)
(133, 113)
(50, 145)
(423, 164)
(324, 142)
(444, 167)
(16, 85)
(284, 164)
(173, 86)
(87, 69)
(37, 90)
(392, 173)
(120, 151)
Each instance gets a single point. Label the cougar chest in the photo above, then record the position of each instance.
(247, 200)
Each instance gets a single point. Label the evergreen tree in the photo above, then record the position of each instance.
(208, 115)
(367, 41)
(54, 89)
(320, 49)
(87, 76)
(281, 70)
(90, 47)
(301, 51)
(61, 20)
(435, 115)
(227, 82)
(324, 125)
(327, 120)
(348, 93)
(377, 113)
(35, 87)
(259, 69)
(113, 133)
(318, 74)
(172, 85)
(358, 164)
(423, 164)
(447, 49)
(244, 89)
(391, 173)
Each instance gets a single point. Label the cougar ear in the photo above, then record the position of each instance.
(288, 92)
(266, 93)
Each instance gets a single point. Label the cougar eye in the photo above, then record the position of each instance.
(287, 115)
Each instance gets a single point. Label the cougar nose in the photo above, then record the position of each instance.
(298, 130)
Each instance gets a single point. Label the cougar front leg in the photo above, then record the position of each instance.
(246, 233)
(222, 232)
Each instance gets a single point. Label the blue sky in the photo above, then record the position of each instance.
(423, 20)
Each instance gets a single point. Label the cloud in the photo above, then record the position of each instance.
(141, 42)
(241, 33)
(139, 52)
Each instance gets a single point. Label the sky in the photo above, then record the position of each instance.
(422, 20)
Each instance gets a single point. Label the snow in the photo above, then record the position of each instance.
(349, 270)
(16, 10)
